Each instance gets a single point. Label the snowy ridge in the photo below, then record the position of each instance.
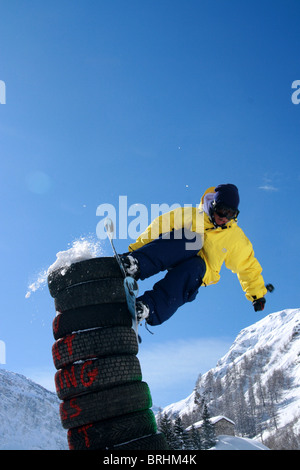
(276, 340)
(273, 331)
(29, 415)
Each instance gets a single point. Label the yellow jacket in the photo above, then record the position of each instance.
(229, 245)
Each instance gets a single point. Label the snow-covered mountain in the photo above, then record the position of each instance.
(263, 365)
(261, 370)
(29, 415)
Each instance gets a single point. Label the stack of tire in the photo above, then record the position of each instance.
(105, 404)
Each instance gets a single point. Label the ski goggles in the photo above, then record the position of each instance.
(225, 212)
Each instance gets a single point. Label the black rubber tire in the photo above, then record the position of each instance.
(91, 293)
(96, 374)
(94, 343)
(93, 316)
(83, 271)
(105, 404)
(102, 435)
(153, 442)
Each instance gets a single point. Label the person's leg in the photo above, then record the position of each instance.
(166, 251)
(180, 285)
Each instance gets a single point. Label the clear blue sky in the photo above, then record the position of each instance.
(156, 100)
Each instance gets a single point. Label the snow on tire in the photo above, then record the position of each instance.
(89, 376)
(94, 343)
(83, 271)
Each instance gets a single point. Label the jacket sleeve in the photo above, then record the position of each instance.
(241, 260)
(172, 220)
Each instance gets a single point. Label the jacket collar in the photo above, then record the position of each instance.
(208, 225)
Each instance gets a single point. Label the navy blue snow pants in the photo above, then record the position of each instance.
(185, 271)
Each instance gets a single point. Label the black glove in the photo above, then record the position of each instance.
(259, 304)
(270, 287)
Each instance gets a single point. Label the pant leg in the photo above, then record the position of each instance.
(166, 251)
(180, 285)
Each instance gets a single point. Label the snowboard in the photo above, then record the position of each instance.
(130, 284)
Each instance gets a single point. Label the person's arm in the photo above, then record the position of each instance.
(172, 220)
(241, 260)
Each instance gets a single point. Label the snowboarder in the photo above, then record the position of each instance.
(191, 244)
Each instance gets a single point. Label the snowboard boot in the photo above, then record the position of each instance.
(131, 265)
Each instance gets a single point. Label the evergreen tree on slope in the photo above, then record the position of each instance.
(207, 430)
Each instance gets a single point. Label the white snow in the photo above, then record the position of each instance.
(213, 420)
(273, 331)
(237, 443)
(81, 249)
(29, 415)
(30, 420)
(34, 286)
(277, 335)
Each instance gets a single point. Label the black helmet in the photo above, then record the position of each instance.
(225, 203)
